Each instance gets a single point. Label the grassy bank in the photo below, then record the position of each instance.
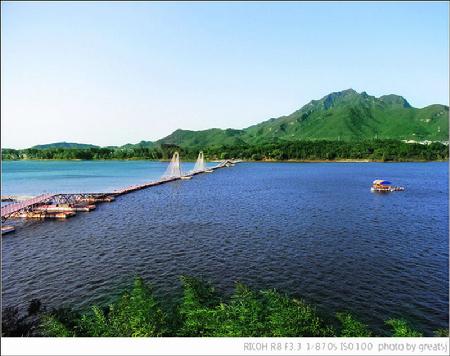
(200, 312)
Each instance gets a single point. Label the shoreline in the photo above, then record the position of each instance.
(349, 160)
(343, 161)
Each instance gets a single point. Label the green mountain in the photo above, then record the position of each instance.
(205, 138)
(345, 115)
(64, 145)
(143, 144)
(348, 115)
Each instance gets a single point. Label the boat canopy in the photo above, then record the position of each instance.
(381, 182)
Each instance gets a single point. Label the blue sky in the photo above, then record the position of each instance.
(113, 73)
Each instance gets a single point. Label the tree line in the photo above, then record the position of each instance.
(201, 311)
(377, 150)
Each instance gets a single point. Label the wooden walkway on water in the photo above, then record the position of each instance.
(13, 208)
(30, 207)
(133, 188)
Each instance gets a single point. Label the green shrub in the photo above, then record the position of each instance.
(351, 327)
(292, 317)
(242, 316)
(200, 313)
(51, 326)
(442, 333)
(134, 314)
(197, 317)
(401, 328)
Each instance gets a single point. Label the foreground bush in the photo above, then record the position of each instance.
(248, 313)
(200, 312)
(134, 314)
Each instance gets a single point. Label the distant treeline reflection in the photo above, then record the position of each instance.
(377, 150)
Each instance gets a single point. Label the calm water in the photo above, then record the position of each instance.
(312, 230)
(37, 177)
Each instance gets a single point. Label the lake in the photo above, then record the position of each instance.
(38, 177)
(312, 230)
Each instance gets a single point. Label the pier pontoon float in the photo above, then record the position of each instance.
(7, 229)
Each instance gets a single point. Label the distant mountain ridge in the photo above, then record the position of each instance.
(64, 145)
(344, 115)
(210, 137)
(348, 115)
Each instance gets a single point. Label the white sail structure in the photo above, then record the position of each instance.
(174, 168)
(200, 164)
